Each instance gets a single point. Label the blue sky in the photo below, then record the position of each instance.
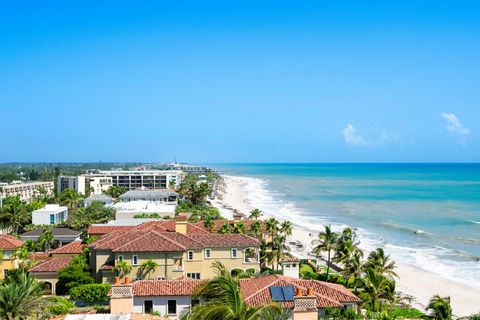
(240, 81)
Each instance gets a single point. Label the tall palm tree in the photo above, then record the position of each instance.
(353, 270)
(280, 248)
(255, 214)
(382, 263)
(271, 225)
(439, 308)
(226, 228)
(14, 214)
(122, 268)
(256, 228)
(224, 301)
(22, 298)
(286, 228)
(377, 289)
(71, 198)
(347, 246)
(148, 267)
(327, 241)
(46, 240)
(239, 227)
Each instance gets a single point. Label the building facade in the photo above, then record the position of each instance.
(8, 254)
(96, 183)
(51, 214)
(26, 191)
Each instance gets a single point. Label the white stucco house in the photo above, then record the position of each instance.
(50, 214)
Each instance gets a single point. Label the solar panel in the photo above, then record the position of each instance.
(277, 294)
(288, 293)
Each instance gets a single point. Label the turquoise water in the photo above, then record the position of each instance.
(427, 215)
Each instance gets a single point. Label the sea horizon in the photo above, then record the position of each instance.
(425, 215)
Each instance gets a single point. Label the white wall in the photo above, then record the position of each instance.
(42, 216)
(160, 304)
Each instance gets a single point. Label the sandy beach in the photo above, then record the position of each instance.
(414, 281)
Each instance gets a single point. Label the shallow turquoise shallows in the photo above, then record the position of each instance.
(423, 214)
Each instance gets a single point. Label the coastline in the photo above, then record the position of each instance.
(414, 281)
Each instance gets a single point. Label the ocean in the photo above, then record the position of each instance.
(426, 215)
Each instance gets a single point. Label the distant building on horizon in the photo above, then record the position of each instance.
(97, 183)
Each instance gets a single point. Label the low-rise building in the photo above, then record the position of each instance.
(61, 235)
(186, 251)
(142, 194)
(102, 198)
(26, 191)
(50, 214)
(8, 253)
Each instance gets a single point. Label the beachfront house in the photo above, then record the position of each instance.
(179, 249)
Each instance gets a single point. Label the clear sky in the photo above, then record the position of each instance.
(240, 81)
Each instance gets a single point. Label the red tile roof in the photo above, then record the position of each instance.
(7, 242)
(104, 229)
(71, 248)
(291, 259)
(52, 265)
(217, 224)
(255, 291)
(39, 256)
(155, 237)
(152, 288)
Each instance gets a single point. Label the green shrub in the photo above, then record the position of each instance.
(474, 317)
(60, 306)
(411, 313)
(91, 293)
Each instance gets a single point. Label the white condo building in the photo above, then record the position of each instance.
(26, 191)
(129, 179)
(50, 214)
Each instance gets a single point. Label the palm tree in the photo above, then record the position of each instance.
(47, 240)
(286, 228)
(239, 227)
(327, 241)
(14, 214)
(271, 225)
(382, 263)
(353, 270)
(255, 214)
(122, 268)
(21, 298)
(224, 301)
(440, 308)
(256, 228)
(280, 248)
(225, 229)
(347, 246)
(377, 289)
(71, 198)
(148, 267)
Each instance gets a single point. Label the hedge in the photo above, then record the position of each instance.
(91, 293)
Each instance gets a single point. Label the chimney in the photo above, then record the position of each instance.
(181, 224)
(121, 297)
(305, 306)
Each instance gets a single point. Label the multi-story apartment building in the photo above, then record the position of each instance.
(185, 251)
(26, 191)
(96, 183)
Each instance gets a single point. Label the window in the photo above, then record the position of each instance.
(8, 254)
(148, 306)
(178, 264)
(134, 260)
(52, 219)
(233, 253)
(190, 255)
(120, 258)
(172, 307)
(207, 253)
(294, 265)
(193, 275)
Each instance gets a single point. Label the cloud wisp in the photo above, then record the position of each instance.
(454, 127)
(382, 137)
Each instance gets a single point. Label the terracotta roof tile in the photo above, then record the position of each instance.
(151, 241)
(9, 243)
(71, 248)
(151, 288)
(225, 240)
(101, 230)
(52, 265)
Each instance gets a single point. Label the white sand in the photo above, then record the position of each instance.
(414, 281)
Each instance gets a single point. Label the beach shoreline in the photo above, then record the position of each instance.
(414, 281)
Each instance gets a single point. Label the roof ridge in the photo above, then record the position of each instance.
(136, 239)
(170, 240)
(265, 287)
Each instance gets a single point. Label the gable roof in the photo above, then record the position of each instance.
(7, 242)
(54, 264)
(75, 247)
(256, 291)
